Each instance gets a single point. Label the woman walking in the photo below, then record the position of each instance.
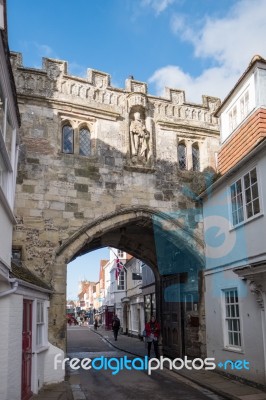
(152, 329)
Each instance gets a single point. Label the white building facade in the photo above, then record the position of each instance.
(26, 356)
(133, 302)
(235, 231)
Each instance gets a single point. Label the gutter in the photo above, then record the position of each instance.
(34, 287)
(14, 284)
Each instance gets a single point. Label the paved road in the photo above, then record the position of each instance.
(126, 384)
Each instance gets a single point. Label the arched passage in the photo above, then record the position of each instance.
(158, 239)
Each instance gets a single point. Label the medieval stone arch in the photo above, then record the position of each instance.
(68, 204)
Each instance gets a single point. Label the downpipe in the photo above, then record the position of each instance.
(14, 284)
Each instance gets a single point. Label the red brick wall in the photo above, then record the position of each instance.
(242, 141)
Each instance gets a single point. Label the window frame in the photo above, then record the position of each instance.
(68, 125)
(195, 146)
(240, 109)
(121, 286)
(40, 324)
(179, 160)
(120, 253)
(241, 178)
(226, 319)
(82, 128)
(232, 118)
(244, 104)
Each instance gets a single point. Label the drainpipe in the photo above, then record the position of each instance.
(14, 284)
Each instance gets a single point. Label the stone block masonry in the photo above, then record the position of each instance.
(99, 164)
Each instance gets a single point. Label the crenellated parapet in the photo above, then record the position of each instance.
(53, 81)
(104, 166)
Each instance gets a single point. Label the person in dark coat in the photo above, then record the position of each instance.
(115, 326)
(152, 329)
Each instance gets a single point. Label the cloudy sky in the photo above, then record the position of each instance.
(200, 46)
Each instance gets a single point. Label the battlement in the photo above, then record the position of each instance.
(54, 81)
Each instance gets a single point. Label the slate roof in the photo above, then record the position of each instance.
(26, 275)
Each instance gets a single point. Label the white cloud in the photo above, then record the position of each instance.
(77, 69)
(212, 82)
(158, 5)
(44, 50)
(229, 43)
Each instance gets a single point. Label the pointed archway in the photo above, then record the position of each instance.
(159, 240)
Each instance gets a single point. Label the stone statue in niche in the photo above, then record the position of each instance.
(139, 137)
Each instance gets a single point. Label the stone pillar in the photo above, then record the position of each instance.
(57, 312)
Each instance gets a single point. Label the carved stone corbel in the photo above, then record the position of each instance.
(256, 290)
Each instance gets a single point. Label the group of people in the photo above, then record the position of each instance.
(151, 332)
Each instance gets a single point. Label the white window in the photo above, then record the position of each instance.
(40, 324)
(244, 105)
(233, 118)
(239, 111)
(120, 253)
(121, 281)
(237, 202)
(245, 201)
(251, 193)
(232, 319)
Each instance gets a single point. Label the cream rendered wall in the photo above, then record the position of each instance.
(226, 249)
(250, 320)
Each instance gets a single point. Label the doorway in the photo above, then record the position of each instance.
(26, 392)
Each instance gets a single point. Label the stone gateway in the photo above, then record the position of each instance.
(103, 166)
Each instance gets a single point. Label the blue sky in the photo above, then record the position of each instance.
(200, 46)
(85, 267)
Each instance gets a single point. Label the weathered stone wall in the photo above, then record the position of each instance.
(60, 196)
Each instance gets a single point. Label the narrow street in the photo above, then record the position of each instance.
(83, 342)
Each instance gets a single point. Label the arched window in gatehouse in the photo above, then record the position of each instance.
(84, 141)
(182, 156)
(195, 157)
(68, 139)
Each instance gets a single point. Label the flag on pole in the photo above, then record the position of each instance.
(119, 267)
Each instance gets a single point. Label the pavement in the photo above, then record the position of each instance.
(211, 380)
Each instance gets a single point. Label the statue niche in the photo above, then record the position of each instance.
(139, 139)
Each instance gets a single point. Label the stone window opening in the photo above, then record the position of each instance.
(68, 139)
(84, 141)
(182, 156)
(195, 157)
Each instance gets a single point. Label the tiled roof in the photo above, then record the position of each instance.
(246, 137)
(26, 275)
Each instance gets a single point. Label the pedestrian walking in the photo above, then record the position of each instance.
(96, 324)
(115, 326)
(152, 329)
